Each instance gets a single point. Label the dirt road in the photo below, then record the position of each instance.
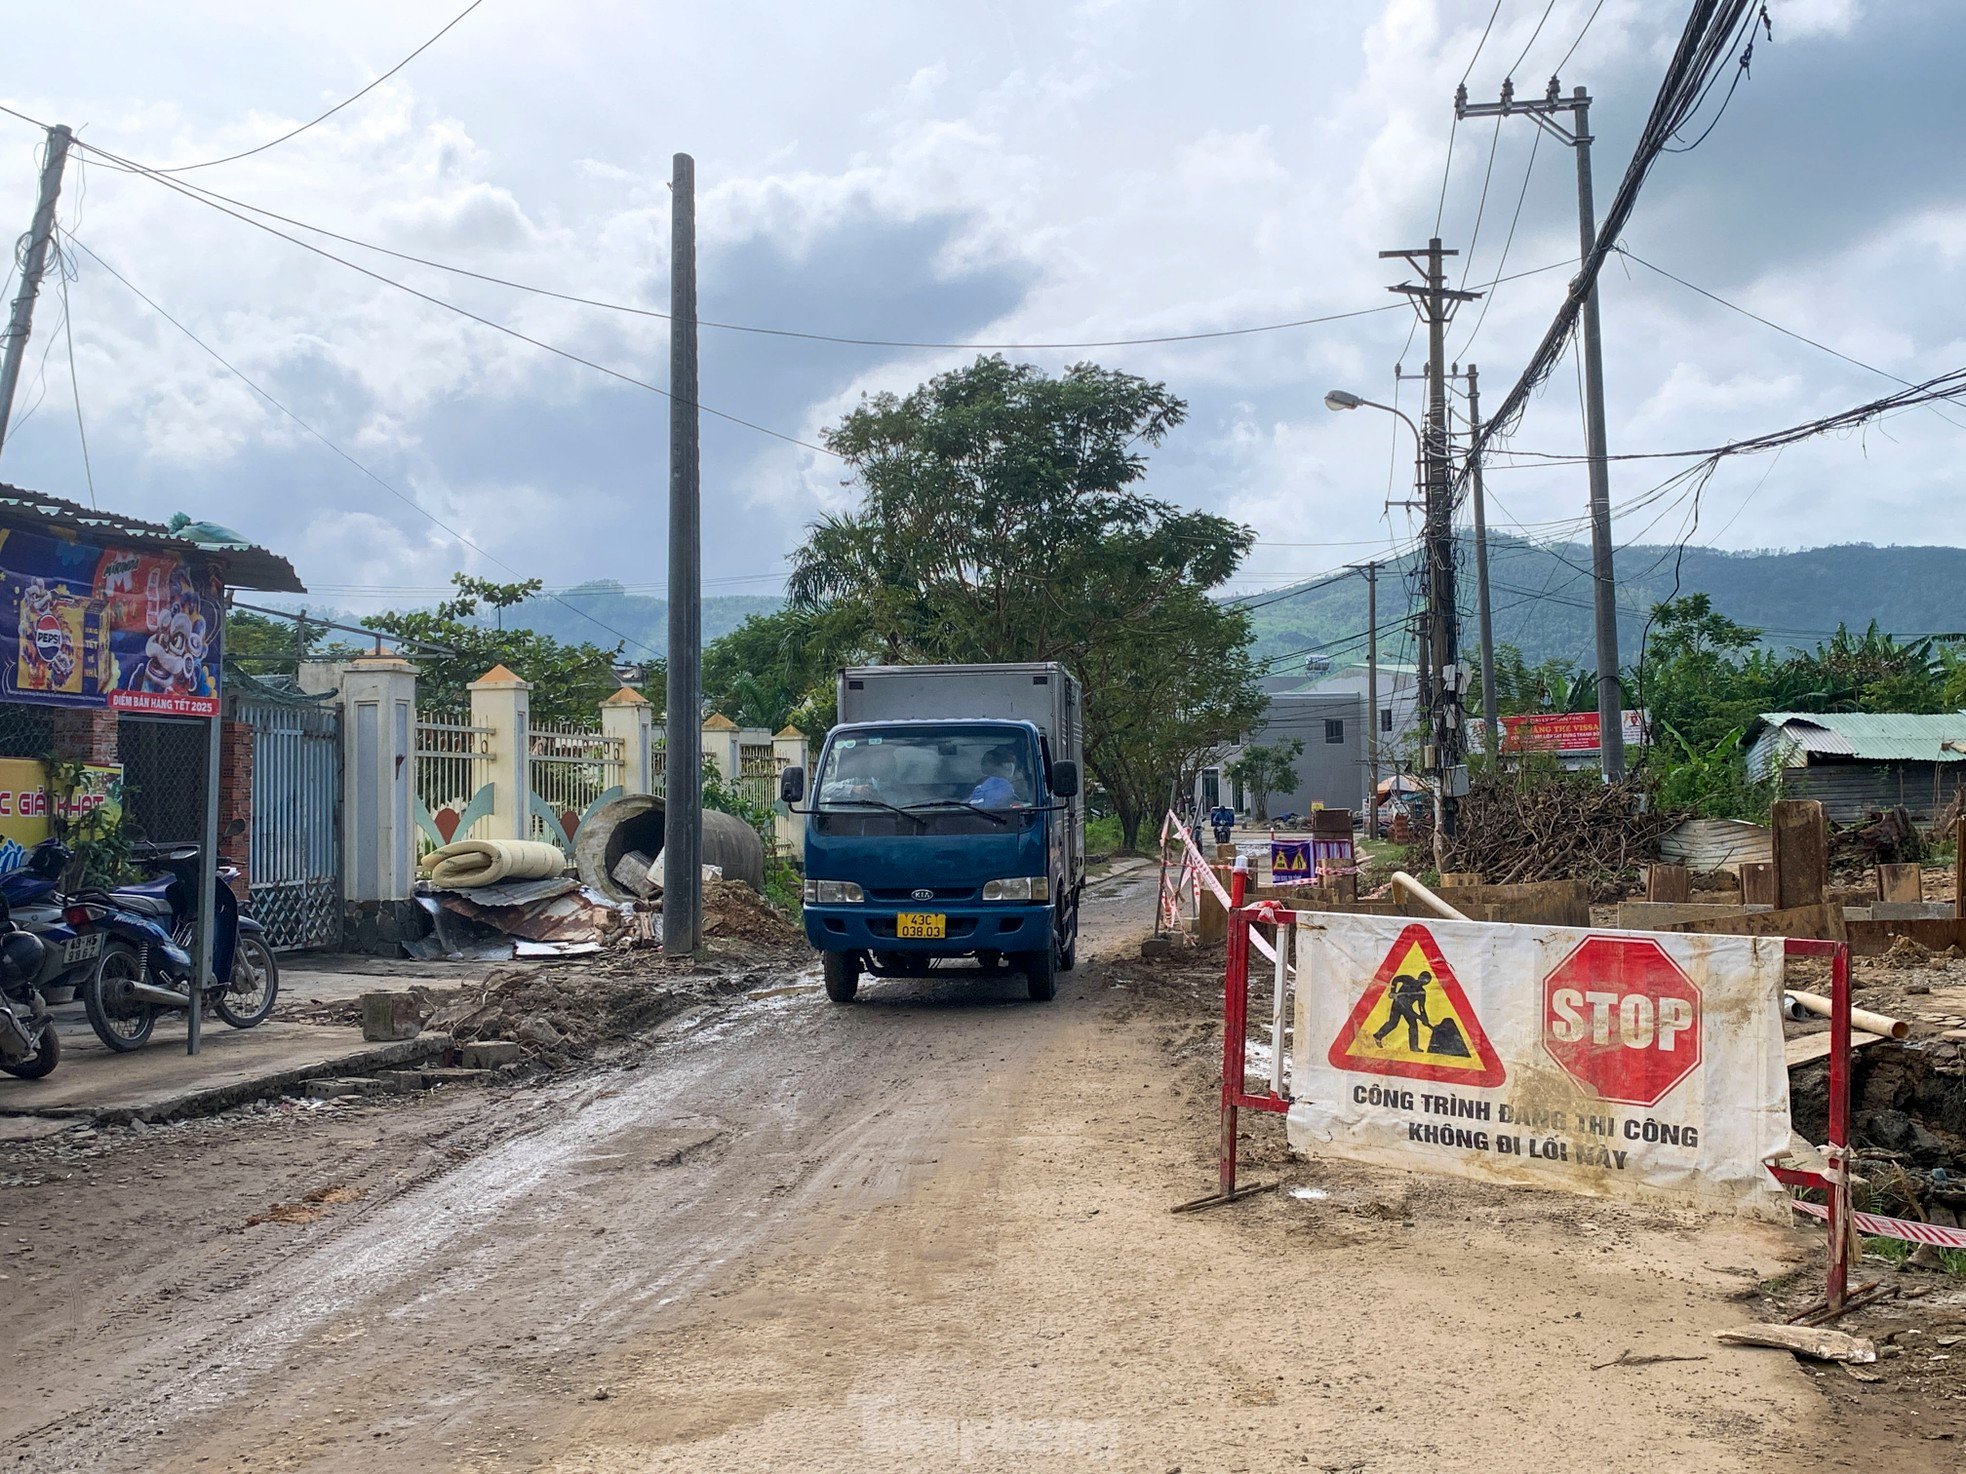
(929, 1230)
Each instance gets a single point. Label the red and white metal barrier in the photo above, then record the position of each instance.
(1835, 1181)
(1244, 922)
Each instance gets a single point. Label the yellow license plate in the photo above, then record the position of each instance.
(930, 924)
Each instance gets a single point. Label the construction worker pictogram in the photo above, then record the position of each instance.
(1414, 1021)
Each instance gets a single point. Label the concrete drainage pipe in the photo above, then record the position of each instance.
(636, 822)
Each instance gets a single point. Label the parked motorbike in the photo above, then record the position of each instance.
(147, 933)
(32, 901)
(29, 1046)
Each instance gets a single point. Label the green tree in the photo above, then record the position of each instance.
(569, 681)
(268, 646)
(1266, 770)
(775, 669)
(1002, 520)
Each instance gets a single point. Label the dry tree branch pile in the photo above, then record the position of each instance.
(1515, 827)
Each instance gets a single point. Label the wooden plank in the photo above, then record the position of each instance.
(1959, 869)
(1757, 883)
(1212, 919)
(1668, 883)
(1900, 883)
(1821, 922)
(1869, 938)
(1659, 915)
(1808, 1048)
(1534, 903)
(1801, 852)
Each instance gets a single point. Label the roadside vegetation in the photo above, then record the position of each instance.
(1002, 517)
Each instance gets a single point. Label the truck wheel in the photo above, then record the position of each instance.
(842, 975)
(1068, 955)
(1041, 974)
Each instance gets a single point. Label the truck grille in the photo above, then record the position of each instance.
(904, 895)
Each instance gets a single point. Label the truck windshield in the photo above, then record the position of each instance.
(906, 770)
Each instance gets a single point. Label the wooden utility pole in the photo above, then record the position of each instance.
(682, 835)
(33, 266)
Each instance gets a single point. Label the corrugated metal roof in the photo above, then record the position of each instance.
(1874, 737)
(245, 567)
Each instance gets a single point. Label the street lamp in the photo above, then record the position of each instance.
(1340, 399)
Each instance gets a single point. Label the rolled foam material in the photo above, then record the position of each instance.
(471, 862)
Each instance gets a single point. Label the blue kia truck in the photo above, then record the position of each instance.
(944, 821)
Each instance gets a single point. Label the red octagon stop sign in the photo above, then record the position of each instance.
(1622, 1019)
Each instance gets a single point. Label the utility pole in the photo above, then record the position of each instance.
(682, 836)
(1371, 572)
(39, 234)
(1545, 111)
(1436, 302)
(1489, 725)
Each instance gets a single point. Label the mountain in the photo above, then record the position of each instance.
(1540, 596)
(639, 620)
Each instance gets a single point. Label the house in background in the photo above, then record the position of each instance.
(1854, 763)
(1399, 704)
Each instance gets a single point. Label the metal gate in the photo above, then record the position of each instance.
(295, 864)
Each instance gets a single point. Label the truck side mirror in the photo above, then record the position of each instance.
(792, 785)
(1065, 779)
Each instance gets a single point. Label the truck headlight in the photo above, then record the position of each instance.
(832, 892)
(1018, 888)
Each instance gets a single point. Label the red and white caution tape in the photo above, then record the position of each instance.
(1893, 1228)
(1206, 873)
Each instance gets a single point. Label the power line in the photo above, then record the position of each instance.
(296, 132)
(401, 496)
(1535, 142)
(216, 200)
(1588, 22)
(62, 271)
(1710, 33)
(1714, 297)
(1531, 42)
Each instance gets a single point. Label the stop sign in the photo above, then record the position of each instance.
(1622, 1019)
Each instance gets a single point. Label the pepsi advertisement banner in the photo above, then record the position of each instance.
(88, 626)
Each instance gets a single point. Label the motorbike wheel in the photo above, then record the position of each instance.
(121, 1022)
(41, 1062)
(249, 999)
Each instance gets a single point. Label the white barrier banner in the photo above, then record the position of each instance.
(1622, 1064)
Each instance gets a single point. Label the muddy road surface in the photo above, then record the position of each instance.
(926, 1231)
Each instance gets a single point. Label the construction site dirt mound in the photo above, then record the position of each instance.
(732, 911)
(558, 1014)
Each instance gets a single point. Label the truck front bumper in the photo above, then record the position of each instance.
(995, 928)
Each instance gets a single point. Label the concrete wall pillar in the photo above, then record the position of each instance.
(788, 749)
(378, 736)
(628, 716)
(720, 745)
(502, 701)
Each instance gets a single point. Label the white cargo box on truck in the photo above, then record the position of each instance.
(1042, 693)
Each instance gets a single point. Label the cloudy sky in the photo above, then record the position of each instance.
(1003, 172)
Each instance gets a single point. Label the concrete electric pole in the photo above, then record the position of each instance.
(1490, 727)
(1436, 302)
(682, 835)
(1545, 111)
(1371, 572)
(21, 321)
